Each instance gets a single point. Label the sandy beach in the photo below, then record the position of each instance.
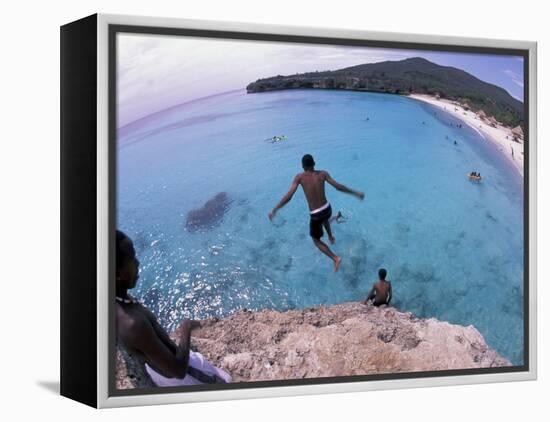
(501, 136)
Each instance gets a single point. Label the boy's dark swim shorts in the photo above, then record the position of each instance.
(317, 220)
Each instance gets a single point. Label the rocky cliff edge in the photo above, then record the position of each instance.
(328, 341)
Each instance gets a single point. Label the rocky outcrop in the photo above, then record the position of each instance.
(517, 132)
(130, 371)
(481, 114)
(337, 340)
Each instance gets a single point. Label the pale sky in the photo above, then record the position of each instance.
(155, 72)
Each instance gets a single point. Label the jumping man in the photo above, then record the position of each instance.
(313, 184)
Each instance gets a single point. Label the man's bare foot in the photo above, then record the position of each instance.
(337, 261)
(331, 240)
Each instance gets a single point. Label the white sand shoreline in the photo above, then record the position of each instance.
(501, 136)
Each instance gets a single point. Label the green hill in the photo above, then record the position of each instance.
(410, 76)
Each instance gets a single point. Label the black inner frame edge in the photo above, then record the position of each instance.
(113, 30)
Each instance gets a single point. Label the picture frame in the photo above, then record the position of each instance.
(89, 130)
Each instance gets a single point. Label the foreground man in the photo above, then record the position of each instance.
(313, 184)
(167, 364)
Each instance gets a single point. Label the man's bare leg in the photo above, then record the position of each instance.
(326, 250)
(331, 238)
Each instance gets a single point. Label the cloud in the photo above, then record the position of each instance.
(514, 76)
(518, 83)
(155, 72)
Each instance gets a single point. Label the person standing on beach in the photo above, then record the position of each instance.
(313, 184)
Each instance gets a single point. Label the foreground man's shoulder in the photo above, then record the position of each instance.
(134, 319)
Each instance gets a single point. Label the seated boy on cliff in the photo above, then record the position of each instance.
(381, 292)
(139, 331)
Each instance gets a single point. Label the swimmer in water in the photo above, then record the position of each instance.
(276, 138)
(313, 185)
(339, 218)
(475, 176)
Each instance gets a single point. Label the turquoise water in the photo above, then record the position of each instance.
(453, 248)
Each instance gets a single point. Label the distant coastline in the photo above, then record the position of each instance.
(415, 75)
(487, 108)
(508, 141)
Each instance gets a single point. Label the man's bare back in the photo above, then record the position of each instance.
(381, 292)
(313, 184)
(132, 321)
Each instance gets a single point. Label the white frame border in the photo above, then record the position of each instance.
(103, 400)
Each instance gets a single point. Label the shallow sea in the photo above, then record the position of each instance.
(453, 248)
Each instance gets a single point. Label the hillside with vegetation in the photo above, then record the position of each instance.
(410, 76)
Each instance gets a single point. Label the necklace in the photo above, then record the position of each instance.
(130, 300)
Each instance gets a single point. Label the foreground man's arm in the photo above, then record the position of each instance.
(157, 353)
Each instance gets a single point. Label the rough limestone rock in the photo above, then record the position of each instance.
(337, 340)
(130, 371)
(345, 339)
(518, 131)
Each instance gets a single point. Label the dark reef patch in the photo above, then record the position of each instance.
(285, 267)
(357, 270)
(141, 242)
(491, 217)
(209, 215)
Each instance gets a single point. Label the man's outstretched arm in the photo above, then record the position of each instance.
(287, 197)
(370, 296)
(343, 188)
(144, 338)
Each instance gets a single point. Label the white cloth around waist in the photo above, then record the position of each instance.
(324, 207)
(197, 361)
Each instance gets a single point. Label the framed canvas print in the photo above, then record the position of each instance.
(253, 210)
